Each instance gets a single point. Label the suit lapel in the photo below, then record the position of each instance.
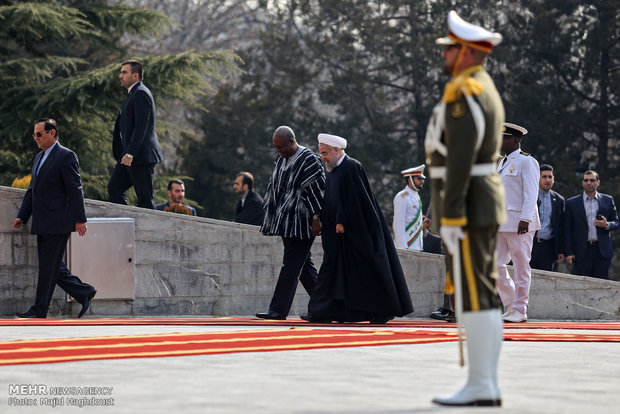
(123, 107)
(581, 210)
(33, 175)
(49, 160)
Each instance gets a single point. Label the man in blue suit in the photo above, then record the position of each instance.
(589, 218)
(55, 201)
(135, 144)
(548, 247)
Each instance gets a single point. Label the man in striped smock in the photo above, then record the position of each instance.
(408, 217)
(292, 206)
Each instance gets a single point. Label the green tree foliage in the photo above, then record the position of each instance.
(61, 59)
(562, 83)
(369, 70)
(359, 69)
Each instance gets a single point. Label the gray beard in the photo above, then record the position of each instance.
(329, 166)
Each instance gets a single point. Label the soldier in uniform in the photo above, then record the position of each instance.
(520, 175)
(462, 143)
(408, 217)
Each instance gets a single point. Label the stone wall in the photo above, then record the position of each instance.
(200, 266)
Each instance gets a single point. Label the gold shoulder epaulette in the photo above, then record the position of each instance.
(527, 154)
(455, 88)
(404, 194)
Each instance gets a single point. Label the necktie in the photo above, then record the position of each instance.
(39, 164)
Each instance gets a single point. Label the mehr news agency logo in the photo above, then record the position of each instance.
(33, 395)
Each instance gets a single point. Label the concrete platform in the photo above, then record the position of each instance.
(535, 377)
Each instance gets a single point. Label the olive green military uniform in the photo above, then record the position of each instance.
(462, 146)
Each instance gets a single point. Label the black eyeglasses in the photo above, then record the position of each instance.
(39, 134)
(590, 180)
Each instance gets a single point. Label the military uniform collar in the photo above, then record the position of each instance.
(514, 154)
(469, 71)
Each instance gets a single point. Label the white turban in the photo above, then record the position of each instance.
(332, 140)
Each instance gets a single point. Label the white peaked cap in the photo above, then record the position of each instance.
(332, 140)
(464, 32)
(513, 130)
(414, 171)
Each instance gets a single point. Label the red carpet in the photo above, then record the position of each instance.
(400, 323)
(39, 351)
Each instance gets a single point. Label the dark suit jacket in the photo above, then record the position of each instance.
(576, 226)
(54, 198)
(558, 207)
(134, 130)
(252, 211)
(431, 243)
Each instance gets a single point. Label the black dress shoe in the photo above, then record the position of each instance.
(442, 314)
(28, 314)
(312, 319)
(271, 315)
(86, 303)
(380, 320)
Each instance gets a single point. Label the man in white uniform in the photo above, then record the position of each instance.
(520, 176)
(408, 217)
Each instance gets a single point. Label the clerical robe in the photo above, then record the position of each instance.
(361, 277)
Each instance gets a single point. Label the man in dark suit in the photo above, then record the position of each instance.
(589, 218)
(548, 247)
(176, 194)
(55, 201)
(135, 144)
(250, 205)
(432, 244)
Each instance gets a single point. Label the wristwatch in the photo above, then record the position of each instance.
(129, 156)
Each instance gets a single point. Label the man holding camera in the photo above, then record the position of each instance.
(589, 218)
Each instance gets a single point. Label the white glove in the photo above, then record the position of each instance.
(450, 235)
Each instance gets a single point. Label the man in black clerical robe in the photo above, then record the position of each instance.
(361, 278)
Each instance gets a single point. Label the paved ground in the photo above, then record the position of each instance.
(535, 377)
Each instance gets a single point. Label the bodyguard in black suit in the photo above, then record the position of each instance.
(548, 246)
(135, 144)
(250, 205)
(589, 218)
(55, 201)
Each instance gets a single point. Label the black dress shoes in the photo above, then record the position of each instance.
(86, 303)
(380, 320)
(28, 314)
(271, 315)
(443, 314)
(310, 318)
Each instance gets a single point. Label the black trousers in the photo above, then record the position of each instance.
(543, 254)
(593, 263)
(138, 176)
(53, 271)
(297, 265)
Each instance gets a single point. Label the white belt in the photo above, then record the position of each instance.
(477, 170)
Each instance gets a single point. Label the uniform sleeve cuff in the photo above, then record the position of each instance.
(450, 221)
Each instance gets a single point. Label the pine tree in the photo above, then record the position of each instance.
(61, 59)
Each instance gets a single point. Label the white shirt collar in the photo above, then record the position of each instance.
(585, 196)
(341, 159)
(47, 151)
(131, 87)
